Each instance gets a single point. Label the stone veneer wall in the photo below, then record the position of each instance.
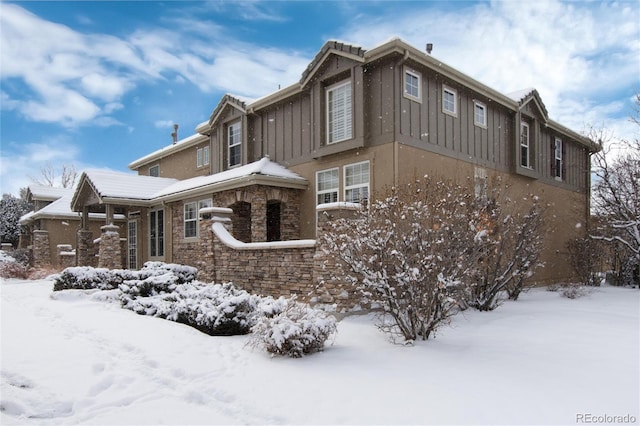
(85, 250)
(299, 268)
(110, 255)
(41, 254)
(190, 251)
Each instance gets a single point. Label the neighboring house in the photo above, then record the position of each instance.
(356, 122)
(51, 228)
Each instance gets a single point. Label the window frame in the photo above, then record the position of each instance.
(232, 136)
(331, 190)
(418, 87)
(527, 146)
(448, 90)
(483, 107)
(154, 167)
(206, 157)
(351, 187)
(199, 158)
(156, 234)
(558, 161)
(347, 120)
(191, 220)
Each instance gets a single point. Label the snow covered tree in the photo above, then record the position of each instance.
(11, 209)
(410, 251)
(511, 241)
(616, 198)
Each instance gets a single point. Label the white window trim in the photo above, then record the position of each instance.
(205, 156)
(331, 190)
(446, 89)
(229, 146)
(348, 115)
(527, 145)
(199, 157)
(477, 104)
(367, 185)
(185, 220)
(155, 211)
(558, 144)
(418, 76)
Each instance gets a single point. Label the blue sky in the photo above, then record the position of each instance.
(100, 84)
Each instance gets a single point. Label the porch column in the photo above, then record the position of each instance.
(41, 249)
(85, 251)
(259, 218)
(109, 253)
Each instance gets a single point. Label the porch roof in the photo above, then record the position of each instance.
(110, 187)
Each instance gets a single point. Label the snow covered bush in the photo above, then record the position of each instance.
(510, 239)
(10, 268)
(87, 277)
(411, 252)
(295, 331)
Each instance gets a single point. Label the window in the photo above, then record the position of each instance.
(449, 103)
(557, 172)
(132, 244)
(154, 171)
(190, 220)
(356, 182)
(339, 120)
(202, 156)
(192, 216)
(524, 145)
(479, 114)
(235, 144)
(156, 233)
(412, 85)
(327, 186)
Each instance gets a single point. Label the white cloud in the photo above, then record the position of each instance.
(162, 124)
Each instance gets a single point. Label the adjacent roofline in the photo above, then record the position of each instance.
(168, 150)
(227, 99)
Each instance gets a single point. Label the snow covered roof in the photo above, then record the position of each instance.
(263, 167)
(112, 186)
(169, 149)
(47, 193)
(60, 209)
(520, 95)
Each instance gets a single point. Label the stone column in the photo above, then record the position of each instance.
(259, 217)
(41, 249)
(85, 251)
(66, 255)
(109, 255)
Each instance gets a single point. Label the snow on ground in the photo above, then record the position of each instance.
(70, 358)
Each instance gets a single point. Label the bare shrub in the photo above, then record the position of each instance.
(583, 254)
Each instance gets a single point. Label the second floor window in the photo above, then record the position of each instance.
(235, 144)
(449, 103)
(412, 85)
(339, 111)
(479, 114)
(154, 171)
(327, 186)
(525, 153)
(202, 156)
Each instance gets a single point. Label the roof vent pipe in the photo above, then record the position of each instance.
(174, 135)
(429, 48)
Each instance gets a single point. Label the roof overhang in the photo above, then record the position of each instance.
(168, 150)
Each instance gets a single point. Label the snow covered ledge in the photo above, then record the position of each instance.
(222, 216)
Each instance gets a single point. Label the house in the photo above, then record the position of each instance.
(50, 229)
(356, 122)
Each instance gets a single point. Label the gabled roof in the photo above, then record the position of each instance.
(106, 186)
(263, 171)
(331, 47)
(60, 209)
(523, 97)
(46, 193)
